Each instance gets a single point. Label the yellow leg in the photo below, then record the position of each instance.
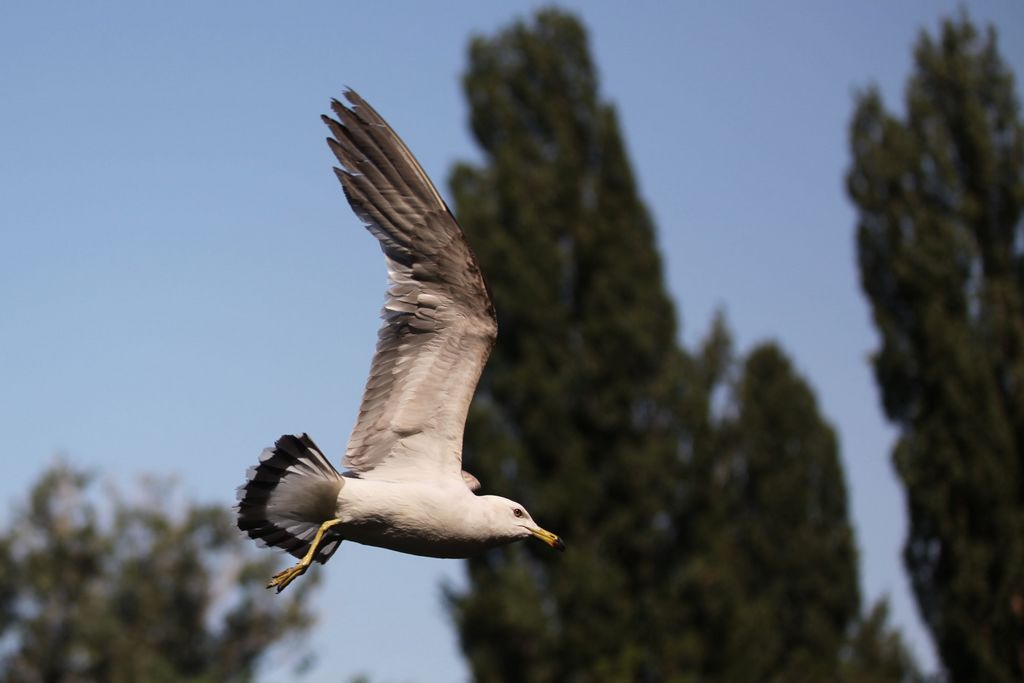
(282, 579)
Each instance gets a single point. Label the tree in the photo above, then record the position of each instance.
(577, 411)
(703, 543)
(941, 254)
(775, 594)
(875, 652)
(128, 592)
(790, 551)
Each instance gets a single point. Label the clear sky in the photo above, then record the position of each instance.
(183, 280)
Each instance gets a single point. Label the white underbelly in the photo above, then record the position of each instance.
(415, 518)
(412, 542)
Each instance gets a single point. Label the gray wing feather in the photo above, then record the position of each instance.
(439, 323)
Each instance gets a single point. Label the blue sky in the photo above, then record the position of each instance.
(183, 280)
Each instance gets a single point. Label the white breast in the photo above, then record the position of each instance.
(419, 518)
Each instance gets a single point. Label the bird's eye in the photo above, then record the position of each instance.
(518, 512)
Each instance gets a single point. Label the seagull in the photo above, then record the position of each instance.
(403, 487)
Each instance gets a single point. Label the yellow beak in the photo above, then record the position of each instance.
(549, 538)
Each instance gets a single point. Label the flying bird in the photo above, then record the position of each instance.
(403, 486)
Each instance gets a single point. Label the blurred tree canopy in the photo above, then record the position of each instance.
(778, 586)
(108, 590)
(700, 494)
(941, 249)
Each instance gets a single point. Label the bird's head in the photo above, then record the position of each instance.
(510, 521)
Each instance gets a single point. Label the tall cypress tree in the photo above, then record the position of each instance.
(790, 558)
(941, 252)
(577, 412)
(702, 543)
(771, 591)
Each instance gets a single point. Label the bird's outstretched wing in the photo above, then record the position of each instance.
(439, 323)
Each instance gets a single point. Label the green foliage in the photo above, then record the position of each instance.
(789, 552)
(584, 385)
(941, 249)
(875, 653)
(774, 591)
(705, 514)
(123, 591)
